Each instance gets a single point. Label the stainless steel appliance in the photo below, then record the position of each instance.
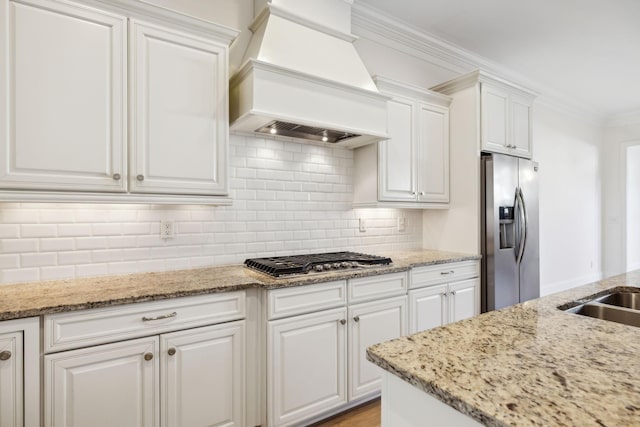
(303, 264)
(510, 248)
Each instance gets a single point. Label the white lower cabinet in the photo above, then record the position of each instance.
(19, 373)
(443, 294)
(180, 378)
(316, 362)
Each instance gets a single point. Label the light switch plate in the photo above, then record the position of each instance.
(362, 225)
(402, 224)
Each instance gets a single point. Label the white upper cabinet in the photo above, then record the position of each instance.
(179, 130)
(96, 110)
(505, 112)
(63, 109)
(411, 168)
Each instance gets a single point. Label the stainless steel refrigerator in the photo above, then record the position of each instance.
(510, 248)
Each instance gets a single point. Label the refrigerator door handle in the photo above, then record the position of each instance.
(522, 211)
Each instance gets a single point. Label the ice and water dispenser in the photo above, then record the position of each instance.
(507, 227)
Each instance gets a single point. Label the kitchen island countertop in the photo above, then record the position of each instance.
(38, 298)
(529, 364)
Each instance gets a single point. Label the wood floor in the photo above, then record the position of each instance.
(367, 415)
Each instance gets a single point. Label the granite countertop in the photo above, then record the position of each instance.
(38, 298)
(529, 365)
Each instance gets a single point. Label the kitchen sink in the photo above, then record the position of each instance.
(619, 307)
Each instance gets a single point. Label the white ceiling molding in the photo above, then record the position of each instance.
(624, 119)
(380, 27)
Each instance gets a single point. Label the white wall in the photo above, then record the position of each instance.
(633, 207)
(568, 150)
(620, 133)
(288, 198)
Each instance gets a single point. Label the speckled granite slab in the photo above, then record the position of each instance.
(33, 299)
(528, 365)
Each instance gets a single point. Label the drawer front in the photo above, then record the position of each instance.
(376, 287)
(306, 299)
(443, 273)
(102, 325)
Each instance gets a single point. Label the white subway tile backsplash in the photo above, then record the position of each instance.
(287, 198)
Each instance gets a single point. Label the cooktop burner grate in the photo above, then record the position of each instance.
(296, 264)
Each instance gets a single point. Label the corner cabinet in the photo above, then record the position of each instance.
(121, 102)
(505, 111)
(20, 373)
(413, 164)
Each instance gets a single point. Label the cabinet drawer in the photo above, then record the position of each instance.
(369, 288)
(97, 326)
(443, 273)
(306, 299)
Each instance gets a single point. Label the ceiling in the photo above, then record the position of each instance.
(585, 50)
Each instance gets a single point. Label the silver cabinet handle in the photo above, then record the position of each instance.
(116, 177)
(356, 319)
(148, 356)
(140, 178)
(422, 193)
(444, 294)
(453, 292)
(171, 351)
(342, 321)
(413, 193)
(444, 273)
(164, 316)
(5, 355)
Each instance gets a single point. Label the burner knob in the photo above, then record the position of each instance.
(336, 265)
(345, 264)
(327, 266)
(318, 267)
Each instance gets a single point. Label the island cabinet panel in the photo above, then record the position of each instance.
(203, 376)
(20, 373)
(104, 386)
(64, 126)
(372, 323)
(306, 366)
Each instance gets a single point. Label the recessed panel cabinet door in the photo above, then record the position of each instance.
(463, 299)
(11, 384)
(63, 97)
(103, 386)
(427, 308)
(372, 323)
(433, 173)
(306, 366)
(179, 125)
(521, 125)
(203, 376)
(495, 119)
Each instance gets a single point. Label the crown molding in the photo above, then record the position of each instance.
(375, 25)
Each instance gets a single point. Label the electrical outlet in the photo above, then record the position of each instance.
(362, 225)
(402, 224)
(166, 229)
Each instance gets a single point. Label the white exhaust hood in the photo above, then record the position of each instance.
(302, 77)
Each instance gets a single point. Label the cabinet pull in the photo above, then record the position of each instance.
(422, 193)
(148, 356)
(140, 178)
(342, 321)
(164, 316)
(171, 351)
(116, 177)
(356, 318)
(444, 294)
(444, 273)
(5, 355)
(453, 292)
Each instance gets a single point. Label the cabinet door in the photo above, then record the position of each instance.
(64, 124)
(369, 324)
(103, 386)
(464, 301)
(433, 154)
(179, 122)
(306, 366)
(11, 384)
(494, 119)
(397, 155)
(427, 308)
(521, 126)
(203, 374)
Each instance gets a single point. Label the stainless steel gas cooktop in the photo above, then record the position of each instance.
(301, 264)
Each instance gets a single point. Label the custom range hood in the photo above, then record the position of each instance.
(302, 77)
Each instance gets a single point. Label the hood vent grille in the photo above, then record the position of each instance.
(293, 130)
